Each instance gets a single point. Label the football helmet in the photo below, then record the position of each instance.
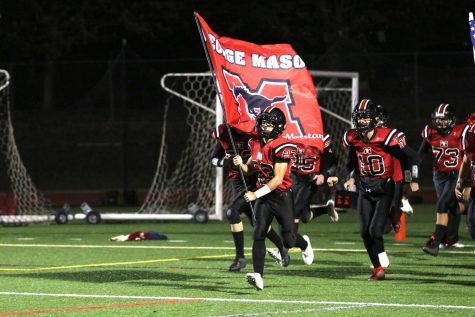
(271, 116)
(366, 116)
(383, 117)
(443, 119)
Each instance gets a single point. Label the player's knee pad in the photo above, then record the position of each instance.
(289, 239)
(233, 216)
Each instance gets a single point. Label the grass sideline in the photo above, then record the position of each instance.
(74, 270)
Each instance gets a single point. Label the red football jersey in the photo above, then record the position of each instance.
(308, 162)
(373, 157)
(470, 152)
(398, 175)
(241, 142)
(447, 150)
(264, 156)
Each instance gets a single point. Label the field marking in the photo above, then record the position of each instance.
(77, 266)
(55, 310)
(298, 311)
(242, 300)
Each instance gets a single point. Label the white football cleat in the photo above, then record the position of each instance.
(332, 211)
(275, 254)
(406, 207)
(255, 279)
(307, 254)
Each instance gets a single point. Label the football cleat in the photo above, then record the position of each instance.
(285, 258)
(275, 254)
(406, 207)
(431, 249)
(255, 279)
(237, 265)
(307, 254)
(451, 244)
(378, 275)
(332, 211)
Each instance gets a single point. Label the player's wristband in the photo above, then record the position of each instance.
(415, 172)
(216, 162)
(262, 191)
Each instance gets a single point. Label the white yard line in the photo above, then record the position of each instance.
(298, 311)
(241, 300)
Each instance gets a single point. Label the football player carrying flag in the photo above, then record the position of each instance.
(270, 84)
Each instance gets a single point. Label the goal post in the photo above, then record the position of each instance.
(26, 202)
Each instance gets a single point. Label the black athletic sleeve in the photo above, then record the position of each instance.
(350, 166)
(329, 160)
(423, 149)
(218, 155)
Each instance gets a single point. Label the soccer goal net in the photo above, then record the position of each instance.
(187, 182)
(23, 202)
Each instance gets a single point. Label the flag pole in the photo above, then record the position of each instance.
(228, 128)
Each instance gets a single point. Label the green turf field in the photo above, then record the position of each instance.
(74, 270)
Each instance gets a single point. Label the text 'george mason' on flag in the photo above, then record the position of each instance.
(251, 77)
(471, 23)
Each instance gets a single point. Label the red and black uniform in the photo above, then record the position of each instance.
(278, 203)
(224, 151)
(470, 153)
(303, 171)
(374, 160)
(448, 153)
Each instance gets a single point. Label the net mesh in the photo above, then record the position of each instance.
(27, 200)
(190, 179)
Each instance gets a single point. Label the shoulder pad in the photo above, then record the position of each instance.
(392, 137)
(349, 137)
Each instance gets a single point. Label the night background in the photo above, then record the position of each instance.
(85, 90)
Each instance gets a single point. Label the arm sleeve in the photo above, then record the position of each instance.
(331, 162)
(423, 149)
(218, 154)
(350, 166)
(403, 155)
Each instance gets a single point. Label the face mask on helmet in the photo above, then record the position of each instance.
(366, 116)
(443, 119)
(270, 123)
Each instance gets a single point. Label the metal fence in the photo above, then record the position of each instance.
(95, 125)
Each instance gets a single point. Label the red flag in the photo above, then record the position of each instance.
(251, 77)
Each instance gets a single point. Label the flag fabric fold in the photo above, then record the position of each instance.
(251, 77)
(471, 23)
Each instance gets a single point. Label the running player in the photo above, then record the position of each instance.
(271, 157)
(372, 152)
(446, 140)
(222, 156)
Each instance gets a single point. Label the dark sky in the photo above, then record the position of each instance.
(93, 29)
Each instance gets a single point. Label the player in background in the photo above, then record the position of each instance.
(446, 140)
(306, 177)
(271, 157)
(372, 152)
(222, 156)
(400, 203)
(465, 188)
